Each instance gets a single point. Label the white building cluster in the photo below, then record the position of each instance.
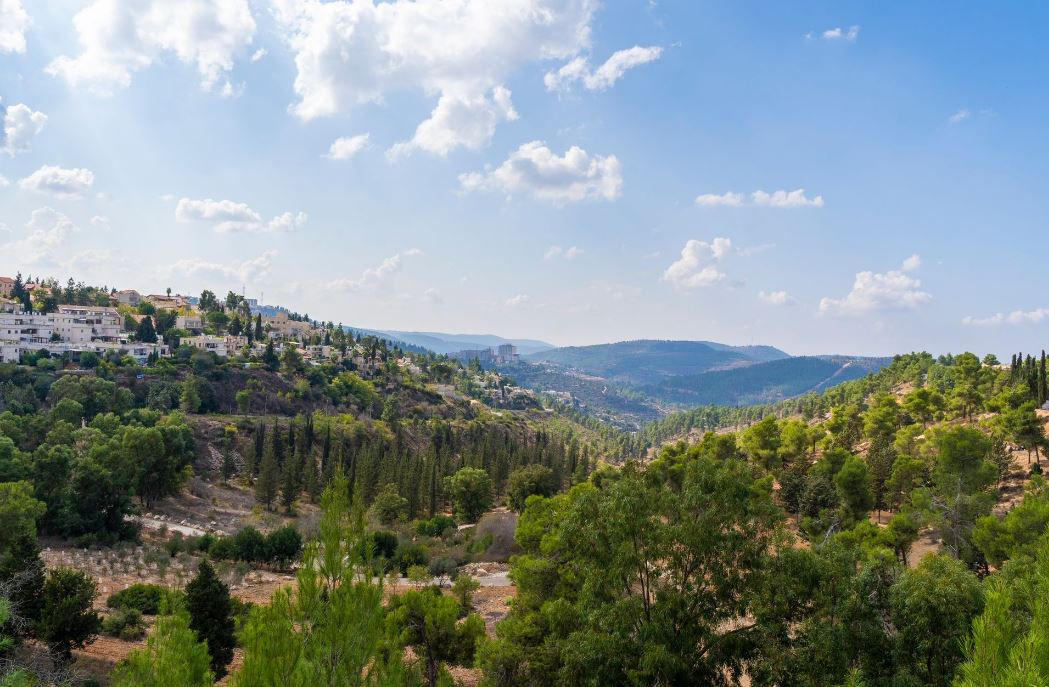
(70, 329)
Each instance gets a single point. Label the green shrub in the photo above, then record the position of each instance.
(480, 544)
(437, 526)
(144, 598)
(384, 544)
(125, 623)
(445, 566)
(410, 555)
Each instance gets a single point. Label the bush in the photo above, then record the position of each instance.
(144, 598)
(384, 544)
(410, 555)
(480, 544)
(445, 566)
(249, 545)
(125, 623)
(436, 526)
(283, 545)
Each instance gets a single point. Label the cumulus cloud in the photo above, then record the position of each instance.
(837, 34)
(100, 222)
(776, 199)
(258, 54)
(775, 297)
(1016, 317)
(252, 270)
(46, 233)
(605, 76)
(960, 116)
(230, 216)
(459, 120)
(567, 253)
(21, 124)
(698, 264)
(349, 52)
(536, 170)
(373, 276)
(713, 199)
(518, 301)
(786, 199)
(59, 182)
(345, 147)
(912, 263)
(13, 23)
(119, 38)
(4, 183)
(875, 291)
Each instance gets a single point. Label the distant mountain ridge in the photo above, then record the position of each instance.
(442, 343)
(649, 361)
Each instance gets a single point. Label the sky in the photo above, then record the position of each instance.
(825, 177)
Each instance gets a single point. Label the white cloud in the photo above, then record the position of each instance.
(349, 52)
(837, 33)
(345, 147)
(258, 54)
(459, 120)
(786, 199)
(874, 291)
(960, 116)
(535, 169)
(4, 183)
(518, 301)
(697, 265)
(912, 263)
(58, 181)
(119, 37)
(230, 216)
(373, 276)
(101, 222)
(48, 229)
(252, 270)
(13, 23)
(567, 253)
(712, 199)
(1016, 317)
(775, 297)
(776, 199)
(21, 124)
(432, 297)
(605, 76)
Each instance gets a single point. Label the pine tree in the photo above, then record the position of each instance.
(269, 473)
(208, 603)
(289, 484)
(311, 481)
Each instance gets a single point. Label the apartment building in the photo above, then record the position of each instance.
(189, 323)
(128, 297)
(71, 329)
(7, 285)
(284, 327)
(221, 346)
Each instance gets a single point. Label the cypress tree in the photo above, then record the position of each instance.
(207, 600)
(269, 472)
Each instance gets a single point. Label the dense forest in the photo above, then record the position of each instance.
(852, 537)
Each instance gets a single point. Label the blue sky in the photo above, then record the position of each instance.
(531, 168)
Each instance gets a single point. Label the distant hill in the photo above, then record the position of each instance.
(439, 342)
(646, 362)
(765, 382)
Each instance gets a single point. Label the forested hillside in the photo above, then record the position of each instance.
(647, 362)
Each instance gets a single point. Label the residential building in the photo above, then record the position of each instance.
(128, 297)
(189, 323)
(73, 329)
(284, 326)
(221, 346)
(7, 285)
(163, 302)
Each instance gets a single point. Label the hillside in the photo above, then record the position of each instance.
(763, 382)
(442, 343)
(648, 362)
